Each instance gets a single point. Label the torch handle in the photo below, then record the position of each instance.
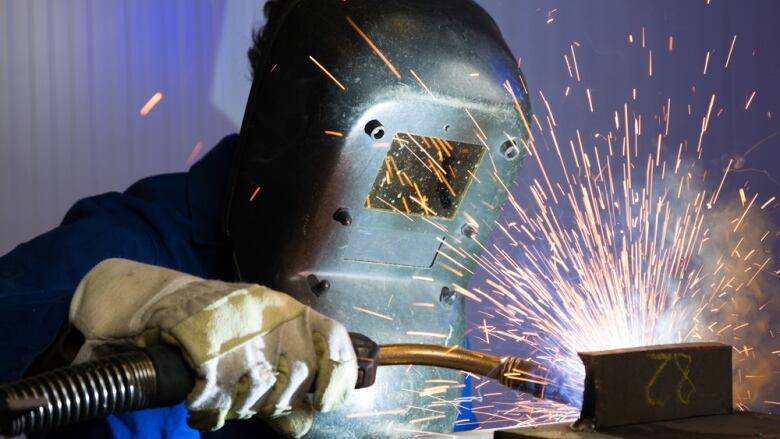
(160, 376)
(155, 377)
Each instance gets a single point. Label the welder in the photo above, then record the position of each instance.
(378, 143)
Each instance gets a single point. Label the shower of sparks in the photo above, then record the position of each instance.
(374, 47)
(330, 75)
(635, 264)
(151, 103)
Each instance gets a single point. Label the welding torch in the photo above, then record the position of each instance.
(159, 376)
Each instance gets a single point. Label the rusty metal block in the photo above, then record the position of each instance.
(656, 383)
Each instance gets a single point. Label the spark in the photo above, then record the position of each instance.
(424, 304)
(706, 62)
(435, 390)
(427, 418)
(550, 17)
(750, 100)
(373, 313)
(194, 153)
(590, 100)
(334, 133)
(568, 65)
(574, 58)
(151, 103)
(374, 47)
(341, 86)
(465, 292)
(425, 87)
(731, 49)
(426, 334)
(547, 104)
(725, 173)
(758, 271)
(254, 194)
(394, 412)
(649, 62)
(486, 329)
(671, 43)
(745, 213)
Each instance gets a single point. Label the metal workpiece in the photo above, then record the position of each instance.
(663, 391)
(656, 383)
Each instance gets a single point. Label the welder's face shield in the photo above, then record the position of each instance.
(371, 198)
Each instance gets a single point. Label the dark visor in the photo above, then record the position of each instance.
(424, 176)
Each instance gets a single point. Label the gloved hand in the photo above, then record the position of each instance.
(256, 351)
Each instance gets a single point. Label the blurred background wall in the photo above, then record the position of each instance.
(75, 74)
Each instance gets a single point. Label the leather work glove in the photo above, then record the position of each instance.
(255, 351)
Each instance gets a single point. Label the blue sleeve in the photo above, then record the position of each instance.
(38, 278)
(172, 221)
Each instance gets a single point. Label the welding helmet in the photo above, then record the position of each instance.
(376, 150)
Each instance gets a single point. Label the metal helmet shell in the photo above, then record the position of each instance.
(312, 211)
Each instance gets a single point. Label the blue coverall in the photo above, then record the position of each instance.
(173, 220)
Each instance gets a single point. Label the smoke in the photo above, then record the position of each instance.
(745, 312)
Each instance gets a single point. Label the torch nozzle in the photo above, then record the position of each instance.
(518, 374)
